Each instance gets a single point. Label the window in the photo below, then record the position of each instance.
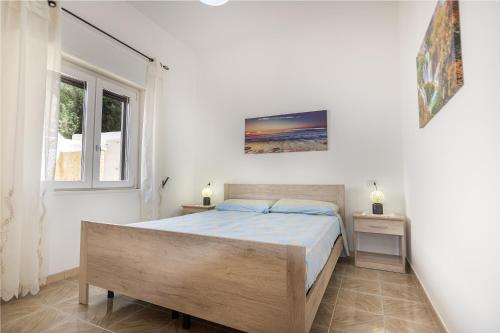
(69, 143)
(98, 131)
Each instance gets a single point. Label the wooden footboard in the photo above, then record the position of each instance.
(250, 286)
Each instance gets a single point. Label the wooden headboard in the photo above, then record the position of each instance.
(330, 193)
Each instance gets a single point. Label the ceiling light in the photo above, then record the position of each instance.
(214, 2)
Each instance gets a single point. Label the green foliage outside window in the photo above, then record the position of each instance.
(71, 111)
(111, 114)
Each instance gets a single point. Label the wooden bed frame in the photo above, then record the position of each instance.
(247, 285)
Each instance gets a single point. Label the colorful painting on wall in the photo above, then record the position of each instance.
(439, 61)
(305, 131)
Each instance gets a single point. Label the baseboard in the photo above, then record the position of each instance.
(437, 318)
(62, 275)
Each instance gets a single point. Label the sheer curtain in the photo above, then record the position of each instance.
(150, 180)
(30, 60)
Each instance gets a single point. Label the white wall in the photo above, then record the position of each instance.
(452, 172)
(67, 209)
(339, 56)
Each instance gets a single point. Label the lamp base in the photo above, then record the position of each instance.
(206, 201)
(378, 208)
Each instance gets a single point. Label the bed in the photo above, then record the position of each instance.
(250, 277)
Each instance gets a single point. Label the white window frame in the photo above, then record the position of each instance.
(77, 73)
(131, 145)
(91, 134)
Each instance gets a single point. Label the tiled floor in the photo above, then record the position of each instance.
(362, 300)
(356, 301)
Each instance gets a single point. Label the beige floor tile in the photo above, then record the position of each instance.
(399, 278)
(435, 318)
(217, 327)
(335, 281)
(18, 308)
(176, 327)
(394, 325)
(364, 286)
(348, 320)
(36, 322)
(73, 325)
(57, 292)
(341, 262)
(143, 321)
(339, 269)
(100, 311)
(319, 329)
(401, 291)
(360, 301)
(324, 315)
(330, 295)
(361, 273)
(408, 310)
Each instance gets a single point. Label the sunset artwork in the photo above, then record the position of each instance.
(294, 132)
(439, 61)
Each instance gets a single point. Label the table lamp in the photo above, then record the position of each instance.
(206, 194)
(377, 198)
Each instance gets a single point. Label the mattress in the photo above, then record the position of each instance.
(316, 233)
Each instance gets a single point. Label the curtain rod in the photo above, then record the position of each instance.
(53, 4)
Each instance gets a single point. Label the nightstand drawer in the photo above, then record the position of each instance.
(379, 226)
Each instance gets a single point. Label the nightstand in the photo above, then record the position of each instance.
(389, 224)
(190, 209)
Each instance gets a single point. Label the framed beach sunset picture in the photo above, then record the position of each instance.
(439, 61)
(293, 132)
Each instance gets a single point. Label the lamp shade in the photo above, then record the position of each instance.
(214, 2)
(377, 196)
(207, 192)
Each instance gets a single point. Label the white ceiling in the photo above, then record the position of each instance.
(203, 27)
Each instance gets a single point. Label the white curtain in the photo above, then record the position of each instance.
(150, 179)
(30, 63)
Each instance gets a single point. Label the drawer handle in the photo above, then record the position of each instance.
(378, 226)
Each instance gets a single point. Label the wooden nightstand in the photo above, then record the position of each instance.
(390, 224)
(190, 209)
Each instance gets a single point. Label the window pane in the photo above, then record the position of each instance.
(113, 137)
(69, 141)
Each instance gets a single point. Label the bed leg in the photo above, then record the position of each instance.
(83, 287)
(83, 293)
(175, 314)
(111, 294)
(186, 321)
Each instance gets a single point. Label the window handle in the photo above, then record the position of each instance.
(98, 148)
